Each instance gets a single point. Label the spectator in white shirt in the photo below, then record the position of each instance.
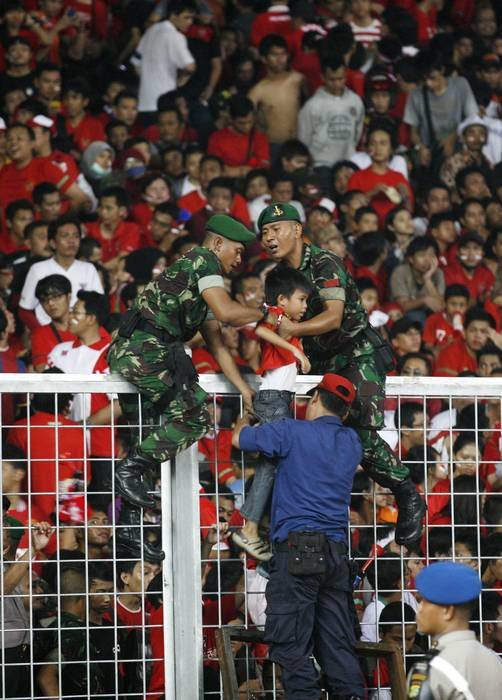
(162, 58)
(64, 238)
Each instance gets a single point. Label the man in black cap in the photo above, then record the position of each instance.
(337, 338)
(148, 351)
(460, 667)
(310, 588)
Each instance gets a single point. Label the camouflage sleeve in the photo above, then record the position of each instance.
(329, 277)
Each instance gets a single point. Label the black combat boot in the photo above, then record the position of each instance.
(412, 510)
(128, 538)
(131, 479)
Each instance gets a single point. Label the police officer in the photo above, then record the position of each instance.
(337, 338)
(460, 668)
(149, 352)
(309, 590)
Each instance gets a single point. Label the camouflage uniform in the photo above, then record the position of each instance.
(347, 352)
(173, 303)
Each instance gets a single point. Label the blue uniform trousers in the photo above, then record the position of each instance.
(312, 615)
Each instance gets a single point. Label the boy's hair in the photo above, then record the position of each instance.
(30, 228)
(463, 174)
(15, 456)
(368, 248)
(334, 62)
(466, 203)
(124, 567)
(240, 106)
(270, 42)
(291, 148)
(284, 281)
(53, 282)
(419, 244)
(386, 572)
(238, 281)
(87, 247)
(362, 211)
(17, 205)
(41, 190)
(256, 172)
(364, 283)
(418, 460)
(113, 124)
(395, 614)
(477, 314)
(176, 7)
(54, 226)
(51, 403)
(125, 95)
(79, 86)
(102, 570)
(456, 290)
(437, 219)
(403, 415)
(118, 193)
(95, 304)
(209, 157)
(224, 182)
(414, 356)
(489, 349)
(492, 509)
(465, 439)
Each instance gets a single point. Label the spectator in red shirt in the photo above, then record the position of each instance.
(443, 230)
(220, 194)
(240, 146)
(54, 294)
(461, 355)
(275, 20)
(473, 216)
(80, 126)
(18, 215)
(431, 477)
(384, 188)
(469, 268)
(489, 361)
(117, 236)
(18, 178)
(155, 190)
(443, 327)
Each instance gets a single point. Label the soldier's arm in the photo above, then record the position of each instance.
(214, 340)
(226, 310)
(48, 680)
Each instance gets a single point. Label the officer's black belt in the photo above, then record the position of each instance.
(340, 547)
(143, 324)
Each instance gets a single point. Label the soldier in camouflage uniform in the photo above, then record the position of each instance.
(149, 352)
(337, 338)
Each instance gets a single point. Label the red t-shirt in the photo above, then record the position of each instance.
(456, 358)
(39, 442)
(8, 245)
(479, 285)
(365, 180)
(204, 362)
(426, 23)
(156, 686)
(379, 279)
(273, 357)
(240, 149)
(88, 129)
(270, 22)
(438, 331)
(64, 162)
(126, 238)
(18, 183)
(44, 339)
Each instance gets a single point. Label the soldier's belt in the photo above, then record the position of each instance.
(133, 320)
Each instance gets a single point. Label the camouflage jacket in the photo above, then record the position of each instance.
(173, 302)
(332, 281)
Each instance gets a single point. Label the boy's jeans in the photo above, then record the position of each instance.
(269, 406)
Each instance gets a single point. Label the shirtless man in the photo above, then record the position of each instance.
(277, 95)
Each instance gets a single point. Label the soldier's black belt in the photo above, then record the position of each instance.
(339, 547)
(134, 320)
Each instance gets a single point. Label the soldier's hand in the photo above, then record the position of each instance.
(247, 400)
(286, 328)
(304, 361)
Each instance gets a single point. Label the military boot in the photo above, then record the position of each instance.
(131, 479)
(412, 510)
(128, 537)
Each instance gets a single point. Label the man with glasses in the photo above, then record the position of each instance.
(54, 294)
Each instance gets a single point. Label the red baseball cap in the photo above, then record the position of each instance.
(339, 386)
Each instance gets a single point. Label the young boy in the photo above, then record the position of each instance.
(469, 268)
(288, 291)
(445, 326)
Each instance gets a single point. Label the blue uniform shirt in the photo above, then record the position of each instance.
(317, 462)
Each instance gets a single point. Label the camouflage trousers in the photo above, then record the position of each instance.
(367, 417)
(170, 422)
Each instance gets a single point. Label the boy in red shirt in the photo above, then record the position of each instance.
(288, 291)
(54, 294)
(469, 268)
(443, 327)
(18, 215)
(80, 126)
(461, 355)
(240, 145)
(117, 237)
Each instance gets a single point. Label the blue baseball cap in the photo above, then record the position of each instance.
(448, 583)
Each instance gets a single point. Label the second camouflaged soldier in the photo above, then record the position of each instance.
(337, 338)
(149, 352)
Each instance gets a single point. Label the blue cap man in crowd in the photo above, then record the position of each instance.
(461, 667)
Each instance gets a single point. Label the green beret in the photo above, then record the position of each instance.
(278, 212)
(230, 228)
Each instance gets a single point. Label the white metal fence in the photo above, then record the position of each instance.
(54, 610)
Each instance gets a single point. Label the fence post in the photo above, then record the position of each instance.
(187, 575)
(167, 583)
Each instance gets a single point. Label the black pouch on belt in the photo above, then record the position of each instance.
(307, 553)
(385, 358)
(181, 367)
(129, 323)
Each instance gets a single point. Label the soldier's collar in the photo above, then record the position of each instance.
(306, 255)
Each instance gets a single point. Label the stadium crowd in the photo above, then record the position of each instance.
(125, 125)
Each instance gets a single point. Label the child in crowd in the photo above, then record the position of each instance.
(443, 327)
(287, 291)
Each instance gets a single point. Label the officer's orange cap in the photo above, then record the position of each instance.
(339, 386)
